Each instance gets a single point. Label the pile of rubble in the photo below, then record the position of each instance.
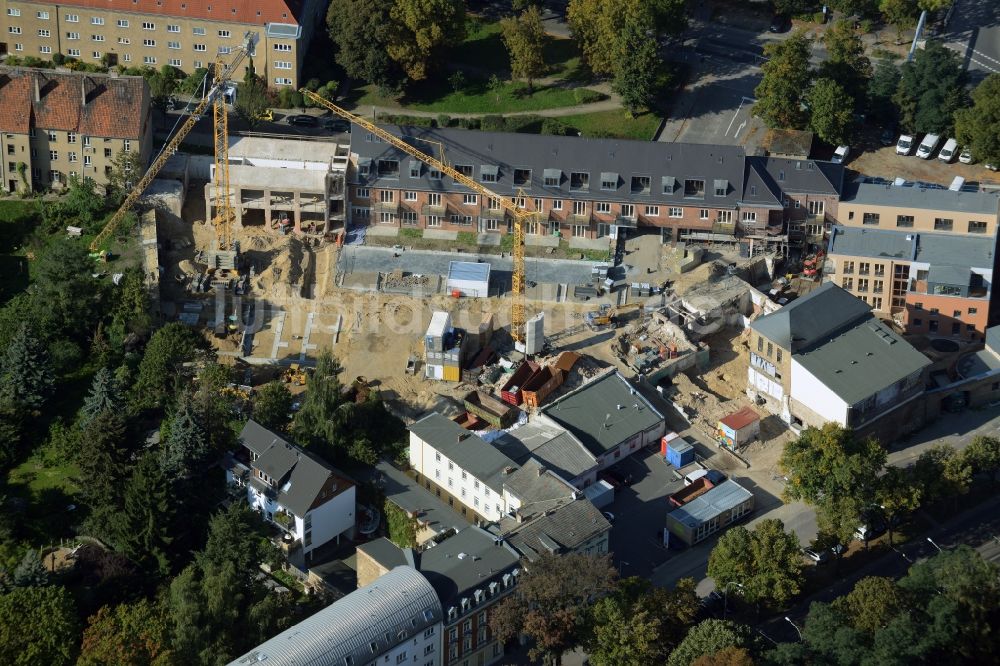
(397, 279)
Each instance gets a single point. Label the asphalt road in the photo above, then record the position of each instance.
(974, 32)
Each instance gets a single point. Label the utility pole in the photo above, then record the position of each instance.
(916, 35)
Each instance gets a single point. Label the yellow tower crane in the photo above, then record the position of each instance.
(517, 316)
(215, 96)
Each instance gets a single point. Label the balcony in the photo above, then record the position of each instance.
(575, 218)
(433, 210)
(725, 228)
(386, 206)
(626, 222)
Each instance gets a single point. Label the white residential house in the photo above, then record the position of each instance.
(459, 467)
(311, 501)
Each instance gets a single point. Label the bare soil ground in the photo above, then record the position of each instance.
(885, 163)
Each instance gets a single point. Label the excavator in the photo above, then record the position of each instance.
(607, 316)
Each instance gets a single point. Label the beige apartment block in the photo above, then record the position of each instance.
(917, 209)
(57, 124)
(184, 34)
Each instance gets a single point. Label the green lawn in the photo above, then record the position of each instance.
(614, 124)
(483, 48)
(17, 218)
(476, 97)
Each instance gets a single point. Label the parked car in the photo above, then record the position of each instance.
(610, 517)
(947, 153)
(816, 555)
(965, 157)
(991, 167)
(905, 144)
(780, 23)
(927, 147)
(840, 154)
(336, 125)
(873, 527)
(302, 119)
(713, 475)
(888, 136)
(615, 478)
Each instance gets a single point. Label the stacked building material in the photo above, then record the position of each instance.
(444, 348)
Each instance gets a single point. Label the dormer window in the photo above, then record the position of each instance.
(553, 177)
(489, 173)
(522, 177)
(609, 181)
(415, 169)
(464, 169)
(669, 183)
(579, 180)
(721, 187)
(640, 184)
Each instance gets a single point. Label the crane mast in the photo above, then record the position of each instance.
(519, 215)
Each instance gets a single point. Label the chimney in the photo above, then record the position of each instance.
(541, 470)
(83, 90)
(38, 92)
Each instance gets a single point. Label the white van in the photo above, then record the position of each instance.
(926, 148)
(947, 153)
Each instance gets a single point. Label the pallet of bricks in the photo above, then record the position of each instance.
(443, 349)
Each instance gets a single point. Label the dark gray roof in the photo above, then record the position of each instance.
(397, 606)
(724, 497)
(759, 189)
(410, 496)
(386, 553)
(604, 413)
(465, 562)
(957, 275)
(561, 530)
(550, 444)
(538, 488)
(300, 477)
(914, 196)
(466, 449)
(860, 361)
(561, 156)
(936, 249)
(801, 176)
(812, 317)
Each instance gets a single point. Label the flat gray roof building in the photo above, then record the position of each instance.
(930, 248)
(913, 195)
(804, 321)
(708, 513)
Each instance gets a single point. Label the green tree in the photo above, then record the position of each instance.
(846, 62)
(186, 448)
(134, 634)
(791, 7)
(130, 312)
(104, 459)
(251, 102)
(594, 25)
(931, 89)
(30, 572)
(784, 83)
(38, 625)
(899, 13)
(942, 474)
(551, 602)
(67, 297)
(710, 637)
(635, 69)
(325, 411)
(872, 604)
(897, 495)
(831, 111)
(978, 126)
(495, 86)
(26, 381)
(422, 31)
(401, 526)
(127, 168)
(215, 406)
(524, 36)
(272, 406)
(168, 349)
(639, 623)
(143, 531)
(729, 656)
(162, 84)
(835, 472)
(670, 16)
(80, 206)
(765, 561)
(104, 396)
(881, 91)
(362, 31)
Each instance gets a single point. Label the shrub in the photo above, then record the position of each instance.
(493, 124)
(867, 26)
(819, 17)
(469, 123)
(587, 96)
(444, 120)
(554, 127)
(58, 59)
(457, 80)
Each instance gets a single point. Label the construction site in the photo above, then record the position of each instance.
(251, 248)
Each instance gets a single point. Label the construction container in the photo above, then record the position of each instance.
(688, 493)
(451, 373)
(678, 452)
(439, 328)
(432, 371)
(511, 390)
(600, 494)
(738, 429)
(497, 413)
(540, 385)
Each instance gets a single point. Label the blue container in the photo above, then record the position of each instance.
(680, 453)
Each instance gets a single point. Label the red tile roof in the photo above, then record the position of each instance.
(115, 107)
(257, 12)
(740, 419)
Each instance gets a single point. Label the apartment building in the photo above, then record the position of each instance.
(395, 619)
(471, 572)
(184, 34)
(825, 357)
(806, 192)
(578, 188)
(930, 283)
(58, 124)
(922, 256)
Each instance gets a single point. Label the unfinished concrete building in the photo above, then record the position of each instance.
(285, 184)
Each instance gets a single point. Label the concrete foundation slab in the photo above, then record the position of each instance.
(590, 243)
(388, 232)
(542, 241)
(440, 234)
